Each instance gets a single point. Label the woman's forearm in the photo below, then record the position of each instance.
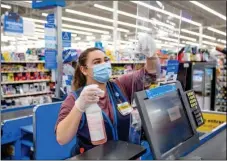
(68, 127)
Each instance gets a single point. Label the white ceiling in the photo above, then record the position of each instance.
(190, 10)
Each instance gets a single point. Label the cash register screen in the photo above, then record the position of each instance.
(169, 121)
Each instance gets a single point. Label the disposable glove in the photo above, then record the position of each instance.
(89, 95)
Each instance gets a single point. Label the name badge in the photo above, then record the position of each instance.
(124, 108)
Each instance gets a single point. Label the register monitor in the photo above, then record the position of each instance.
(168, 123)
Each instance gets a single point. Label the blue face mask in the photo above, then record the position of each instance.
(102, 72)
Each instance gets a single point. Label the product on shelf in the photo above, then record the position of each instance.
(20, 89)
(26, 101)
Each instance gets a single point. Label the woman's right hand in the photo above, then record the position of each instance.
(90, 94)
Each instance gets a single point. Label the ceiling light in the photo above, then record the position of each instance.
(196, 34)
(105, 19)
(133, 16)
(78, 27)
(166, 12)
(191, 43)
(90, 23)
(165, 45)
(222, 41)
(34, 20)
(77, 38)
(168, 39)
(160, 4)
(209, 43)
(84, 28)
(208, 9)
(67, 30)
(76, 32)
(217, 31)
(184, 37)
(5, 6)
(176, 44)
(89, 15)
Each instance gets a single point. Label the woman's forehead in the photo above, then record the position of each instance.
(96, 54)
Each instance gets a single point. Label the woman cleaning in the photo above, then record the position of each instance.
(92, 75)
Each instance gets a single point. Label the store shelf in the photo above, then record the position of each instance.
(26, 94)
(128, 62)
(29, 71)
(26, 81)
(18, 62)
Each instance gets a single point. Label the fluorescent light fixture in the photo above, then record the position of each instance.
(209, 9)
(28, 1)
(158, 41)
(160, 4)
(166, 12)
(91, 24)
(217, 31)
(105, 19)
(77, 38)
(77, 27)
(5, 6)
(88, 15)
(176, 44)
(196, 34)
(89, 38)
(191, 43)
(165, 45)
(168, 39)
(133, 16)
(184, 37)
(76, 32)
(34, 20)
(85, 29)
(222, 41)
(39, 26)
(67, 30)
(209, 43)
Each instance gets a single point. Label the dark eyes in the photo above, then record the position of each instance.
(99, 61)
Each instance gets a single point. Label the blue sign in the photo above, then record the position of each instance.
(172, 70)
(66, 39)
(51, 18)
(50, 59)
(46, 4)
(50, 36)
(159, 91)
(13, 23)
(98, 44)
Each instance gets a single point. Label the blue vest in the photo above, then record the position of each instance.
(118, 130)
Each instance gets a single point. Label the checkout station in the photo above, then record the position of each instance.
(170, 118)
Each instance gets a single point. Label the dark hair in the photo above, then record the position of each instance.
(79, 79)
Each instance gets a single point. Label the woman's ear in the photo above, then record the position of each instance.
(83, 70)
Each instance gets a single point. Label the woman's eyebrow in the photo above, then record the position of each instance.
(97, 59)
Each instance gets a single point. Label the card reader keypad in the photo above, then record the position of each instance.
(196, 111)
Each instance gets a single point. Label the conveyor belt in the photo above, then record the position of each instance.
(214, 149)
(16, 114)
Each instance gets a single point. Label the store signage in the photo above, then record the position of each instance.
(50, 59)
(66, 39)
(50, 18)
(13, 23)
(161, 90)
(50, 36)
(172, 70)
(212, 120)
(46, 4)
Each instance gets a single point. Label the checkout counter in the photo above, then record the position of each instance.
(170, 118)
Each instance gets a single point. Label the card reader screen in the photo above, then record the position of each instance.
(169, 121)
